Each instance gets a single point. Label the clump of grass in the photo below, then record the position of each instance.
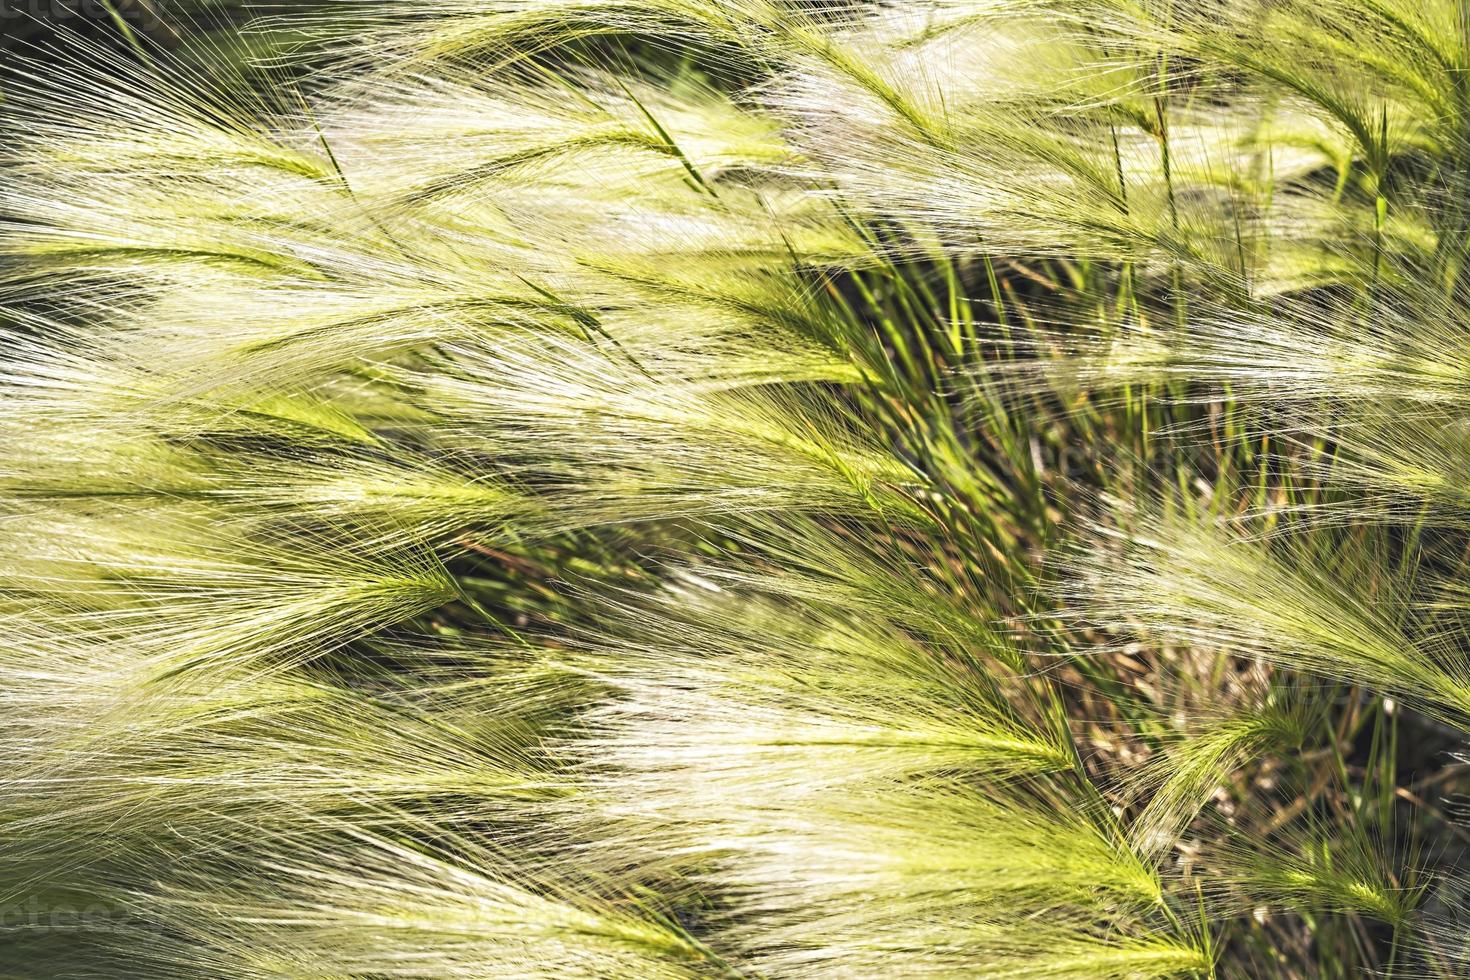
(709, 488)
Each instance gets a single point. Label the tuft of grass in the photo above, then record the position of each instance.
(737, 488)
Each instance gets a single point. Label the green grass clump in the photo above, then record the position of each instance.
(737, 488)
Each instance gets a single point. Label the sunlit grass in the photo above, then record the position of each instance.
(709, 488)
